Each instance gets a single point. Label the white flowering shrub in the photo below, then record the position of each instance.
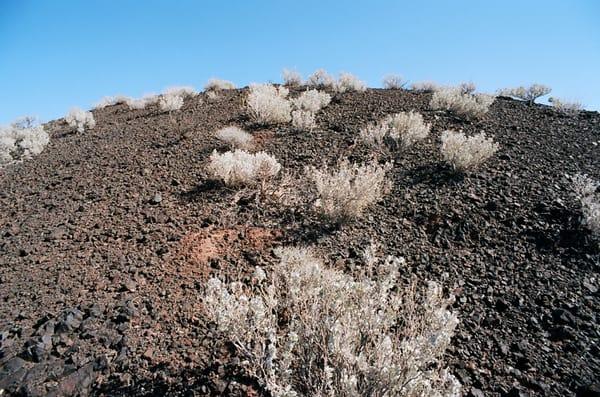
(240, 168)
(425, 86)
(586, 191)
(218, 84)
(393, 82)
(235, 136)
(302, 329)
(348, 82)
(170, 102)
(564, 107)
(303, 120)
(182, 91)
(111, 100)
(345, 192)
(22, 140)
(320, 78)
(462, 104)
(311, 100)
(405, 128)
(465, 153)
(80, 119)
(291, 78)
(529, 94)
(268, 104)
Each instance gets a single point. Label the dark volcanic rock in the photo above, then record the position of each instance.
(100, 296)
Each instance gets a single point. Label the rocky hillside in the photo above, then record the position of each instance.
(109, 235)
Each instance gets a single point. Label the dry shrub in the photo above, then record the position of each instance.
(311, 100)
(218, 84)
(344, 193)
(303, 120)
(22, 140)
(268, 104)
(348, 82)
(170, 102)
(320, 78)
(564, 107)
(291, 78)
(182, 91)
(240, 168)
(303, 329)
(142, 102)
(235, 136)
(80, 119)
(529, 94)
(586, 191)
(465, 153)
(463, 104)
(425, 86)
(393, 82)
(111, 100)
(406, 128)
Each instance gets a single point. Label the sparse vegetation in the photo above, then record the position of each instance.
(566, 108)
(345, 192)
(235, 136)
(80, 119)
(22, 140)
(170, 102)
(111, 100)
(240, 168)
(268, 104)
(465, 153)
(142, 102)
(425, 86)
(320, 78)
(405, 128)
(462, 104)
(182, 91)
(218, 84)
(303, 120)
(342, 336)
(311, 100)
(393, 82)
(529, 94)
(586, 191)
(348, 82)
(291, 78)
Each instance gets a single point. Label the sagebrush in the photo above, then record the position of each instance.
(22, 140)
(393, 82)
(566, 107)
(218, 84)
(346, 191)
(240, 168)
(341, 335)
(80, 119)
(405, 128)
(586, 191)
(235, 136)
(268, 104)
(291, 77)
(465, 153)
(462, 103)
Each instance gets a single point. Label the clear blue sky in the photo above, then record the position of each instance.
(55, 54)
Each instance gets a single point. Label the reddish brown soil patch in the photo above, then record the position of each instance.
(211, 243)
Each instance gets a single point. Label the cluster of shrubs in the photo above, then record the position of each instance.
(21, 140)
